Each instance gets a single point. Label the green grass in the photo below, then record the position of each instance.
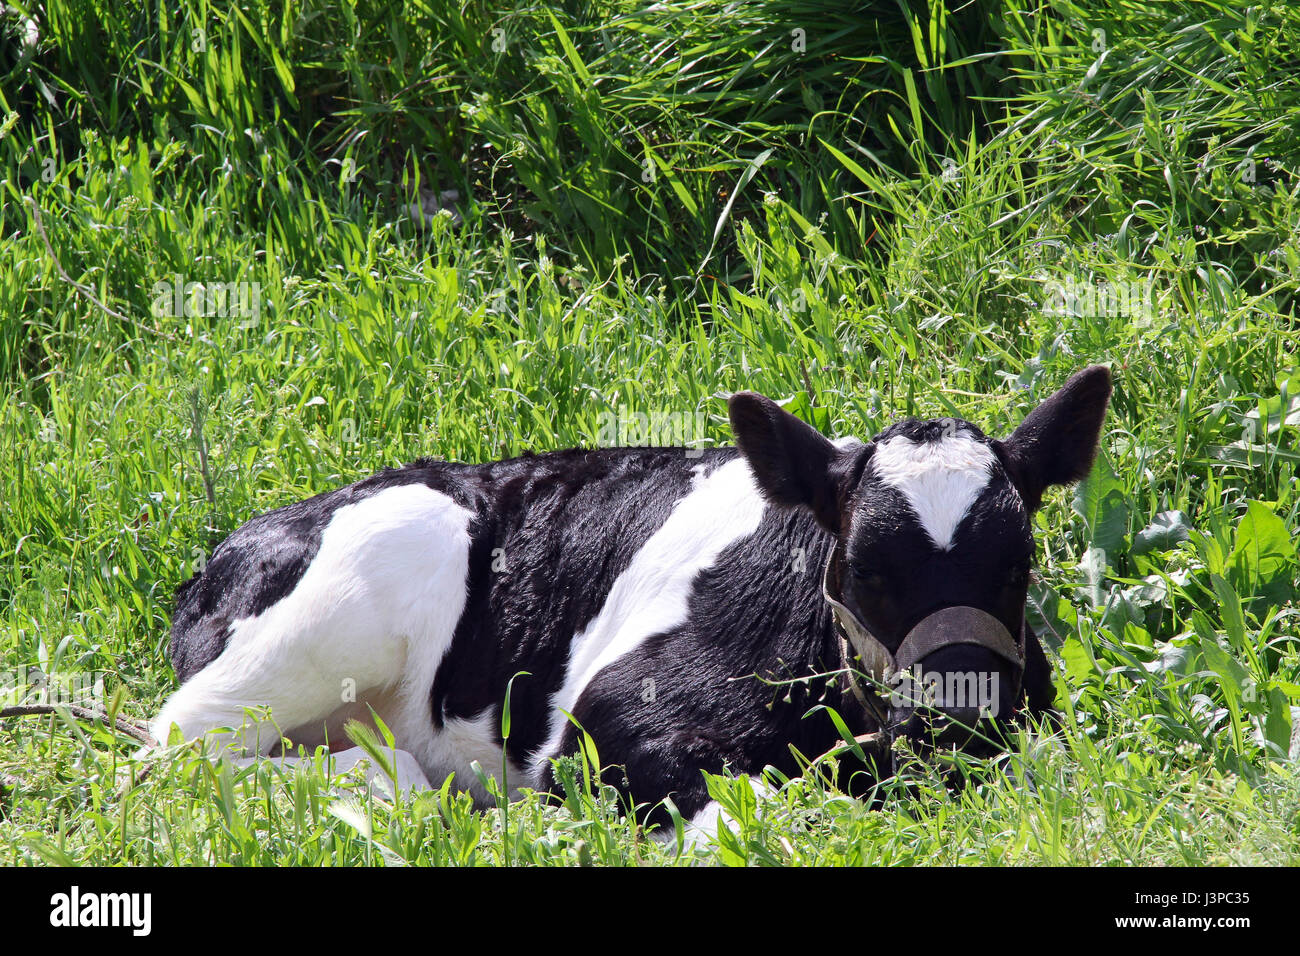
(876, 225)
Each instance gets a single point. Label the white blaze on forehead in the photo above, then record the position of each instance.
(940, 479)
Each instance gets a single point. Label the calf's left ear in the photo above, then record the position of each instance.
(1057, 442)
(793, 463)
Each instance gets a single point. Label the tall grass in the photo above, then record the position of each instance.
(907, 210)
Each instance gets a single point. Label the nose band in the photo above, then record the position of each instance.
(946, 627)
(958, 625)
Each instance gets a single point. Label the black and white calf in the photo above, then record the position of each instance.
(673, 605)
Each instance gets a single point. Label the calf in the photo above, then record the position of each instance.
(688, 612)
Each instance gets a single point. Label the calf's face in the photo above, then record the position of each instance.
(933, 547)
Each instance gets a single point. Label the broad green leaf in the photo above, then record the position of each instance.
(1102, 503)
(1078, 662)
(1164, 532)
(1263, 555)
(1277, 723)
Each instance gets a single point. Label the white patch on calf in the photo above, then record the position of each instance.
(377, 607)
(940, 480)
(465, 740)
(652, 594)
(702, 829)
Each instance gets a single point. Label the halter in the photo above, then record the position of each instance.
(960, 624)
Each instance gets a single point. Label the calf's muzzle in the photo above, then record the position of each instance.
(904, 671)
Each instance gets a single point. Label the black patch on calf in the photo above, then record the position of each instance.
(753, 620)
(929, 430)
(567, 524)
(260, 563)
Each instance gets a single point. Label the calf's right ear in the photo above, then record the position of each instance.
(792, 462)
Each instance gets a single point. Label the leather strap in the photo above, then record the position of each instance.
(959, 624)
(877, 661)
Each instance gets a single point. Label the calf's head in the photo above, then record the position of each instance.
(930, 566)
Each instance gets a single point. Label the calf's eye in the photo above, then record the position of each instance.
(872, 580)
